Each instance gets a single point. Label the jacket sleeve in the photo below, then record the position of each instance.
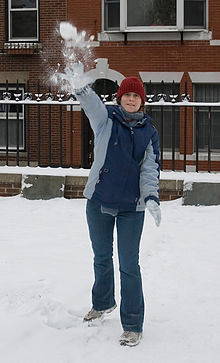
(94, 108)
(150, 171)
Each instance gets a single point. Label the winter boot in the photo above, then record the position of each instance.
(95, 314)
(130, 338)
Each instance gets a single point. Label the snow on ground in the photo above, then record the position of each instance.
(46, 276)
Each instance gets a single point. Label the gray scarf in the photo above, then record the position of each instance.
(133, 116)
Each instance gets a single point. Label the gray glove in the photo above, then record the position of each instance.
(154, 210)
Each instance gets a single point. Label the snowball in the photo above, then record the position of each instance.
(67, 31)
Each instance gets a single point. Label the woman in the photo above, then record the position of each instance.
(123, 181)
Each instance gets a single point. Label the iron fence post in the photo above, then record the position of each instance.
(173, 137)
(197, 139)
(49, 134)
(7, 120)
(209, 138)
(39, 128)
(61, 136)
(17, 128)
(161, 140)
(71, 135)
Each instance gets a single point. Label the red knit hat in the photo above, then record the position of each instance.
(132, 84)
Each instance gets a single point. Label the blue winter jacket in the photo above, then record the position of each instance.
(125, 171)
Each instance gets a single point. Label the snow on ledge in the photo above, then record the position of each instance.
(173, 175)
(191, 176)
(27, 170)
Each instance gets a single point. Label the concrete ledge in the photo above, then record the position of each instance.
(48, 186)
(201, 193)
(43, 186)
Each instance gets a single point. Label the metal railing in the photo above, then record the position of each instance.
(40, 130)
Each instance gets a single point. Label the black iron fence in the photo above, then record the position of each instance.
(47, 130)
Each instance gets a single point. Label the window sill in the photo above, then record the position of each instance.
(22, 48)
(154, 34)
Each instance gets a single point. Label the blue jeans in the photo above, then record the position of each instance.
(129, 229)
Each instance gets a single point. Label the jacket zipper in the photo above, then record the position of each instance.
(132, 141)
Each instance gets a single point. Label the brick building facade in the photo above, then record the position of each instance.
(170, 41)
(29, 50)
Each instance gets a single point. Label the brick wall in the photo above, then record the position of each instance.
(85, 15)
(74, 187)
(10, 185)
(166, 56)
(2, 26)
(214, 16)
(38, 66)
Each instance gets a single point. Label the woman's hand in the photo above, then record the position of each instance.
(154, 210)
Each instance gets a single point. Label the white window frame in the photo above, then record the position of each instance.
(178, 27)
(10, 10)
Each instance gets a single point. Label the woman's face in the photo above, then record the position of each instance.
(131, 102)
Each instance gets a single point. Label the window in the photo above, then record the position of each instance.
(151, 13)
(194, 14)
(23, 20)
(112, 14)
(154, 14)
(208, 93)
(171, 129)
(11, 121)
